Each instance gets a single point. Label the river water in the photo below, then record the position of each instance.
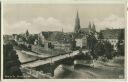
(24, 57)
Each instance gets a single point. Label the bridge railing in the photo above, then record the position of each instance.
(50, 60)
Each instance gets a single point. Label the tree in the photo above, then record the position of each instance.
(73, 44)
(91, 43)
(22, 46)
(13, 42)
(31, 39)
(120, 44)
(22, 38)
(108, 50)
(99, 49)
(11, 63)
(100, 37)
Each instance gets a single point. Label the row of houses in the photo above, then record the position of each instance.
(58, 39)
(110, 35)
(62, 40)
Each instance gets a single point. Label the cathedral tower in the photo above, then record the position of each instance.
(77, 24)
(92, 27)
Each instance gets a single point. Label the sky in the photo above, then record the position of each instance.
(17, 18)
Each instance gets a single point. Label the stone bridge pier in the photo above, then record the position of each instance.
(50, 68)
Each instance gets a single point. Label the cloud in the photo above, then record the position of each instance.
(18, 27)
(111, 21)
(37, 25)
(50, 24)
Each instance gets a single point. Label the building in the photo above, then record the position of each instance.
(58, 39)
(112, 36)
(90, 30)
(81, 33)
(81, 42)
(78, 30)
(43, 37)
(65, 47)
(77, 24)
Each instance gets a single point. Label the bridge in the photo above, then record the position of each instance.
(47, 60)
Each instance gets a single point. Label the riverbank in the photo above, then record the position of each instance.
(110, 70)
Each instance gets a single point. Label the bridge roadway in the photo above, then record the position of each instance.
(50, 60)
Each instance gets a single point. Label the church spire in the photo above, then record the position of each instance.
(93, 27)
(27, 33)
(77, 24)
(77, 15)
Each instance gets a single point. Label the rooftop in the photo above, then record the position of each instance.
(111, 33)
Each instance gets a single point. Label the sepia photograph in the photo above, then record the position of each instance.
(64, 41)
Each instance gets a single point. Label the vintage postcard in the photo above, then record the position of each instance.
(64, 41)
